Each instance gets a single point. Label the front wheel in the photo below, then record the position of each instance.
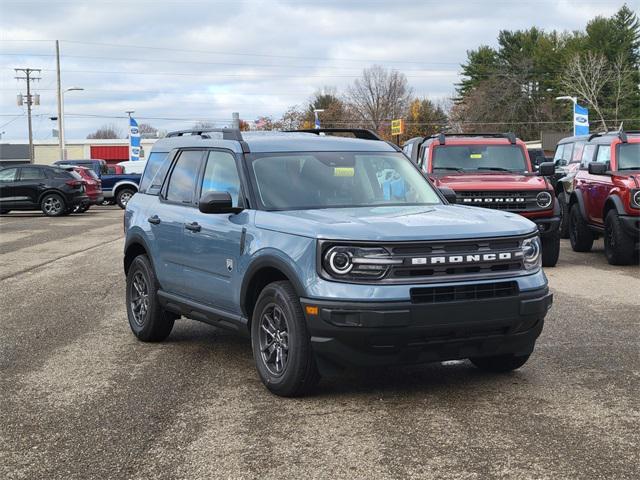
(550, 250)
(123, 196)
(147, 319)
(280, 342)
(564, 216)
(618, 246)
(500, 363)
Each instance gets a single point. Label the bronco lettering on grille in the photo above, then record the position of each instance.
(470, 258)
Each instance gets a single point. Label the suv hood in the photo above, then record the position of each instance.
(491, 181)
(406, 223)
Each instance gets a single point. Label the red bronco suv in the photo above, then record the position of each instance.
(606, 196)
(493, 171)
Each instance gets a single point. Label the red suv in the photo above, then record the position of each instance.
(493, 171)
(93, 187)
(606, 196)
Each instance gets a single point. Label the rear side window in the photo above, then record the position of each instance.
(32, 174)
(60, 173)
(182, 184)
(154, 173)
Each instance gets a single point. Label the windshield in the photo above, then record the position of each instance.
(298, 181)
(473, 158)
(629, 156)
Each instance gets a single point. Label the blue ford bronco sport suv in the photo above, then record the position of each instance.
(329, 252)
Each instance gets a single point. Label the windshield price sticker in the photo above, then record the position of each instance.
(343, 172)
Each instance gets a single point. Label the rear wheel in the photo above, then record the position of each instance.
(618, 246)
(579, 234)
(564, 216)
(280, 342)
(53, 205)
(500, 363)
(147, 319)
(123, 196)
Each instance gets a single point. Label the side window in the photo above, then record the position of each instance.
(154, 173)
(568, 152)
(604, 153)
(8, 175)
(587, 155)
(559, 152)
(577, 151)
(32, 174)
(182, 184)
(221, 175)
(407, 149)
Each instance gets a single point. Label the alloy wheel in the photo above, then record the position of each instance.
(139, 298)
(274, 339)
(52, 205)
(125, 197)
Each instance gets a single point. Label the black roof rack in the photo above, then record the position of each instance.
(442, 136)
(227, 133)
(361, 133)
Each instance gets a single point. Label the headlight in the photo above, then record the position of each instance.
(344, 262)
(635, 198)
(544, 199)
(532, 253)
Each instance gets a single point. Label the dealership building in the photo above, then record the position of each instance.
(48, 151)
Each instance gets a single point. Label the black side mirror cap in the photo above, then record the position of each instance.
(217, 202)
(598, 168)
(547, 169)
(449, 195)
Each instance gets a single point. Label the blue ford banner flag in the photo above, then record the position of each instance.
(580, 120)
(317, 122)
(134, 140)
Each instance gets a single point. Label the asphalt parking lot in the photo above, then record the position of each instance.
(81, 398)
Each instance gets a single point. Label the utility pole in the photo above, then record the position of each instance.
(60, 113)
(28, 72)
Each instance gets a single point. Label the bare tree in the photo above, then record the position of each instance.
(379, 95)
(621, 83)
(586, 75)
(106, 132)
(202, 125)
(147, 131)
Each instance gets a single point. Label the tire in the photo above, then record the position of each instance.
(279, 331)
(500, 363)
(618, 246)
(551, 250)
(564, 216)
(147, 319)
(53, 205)
(579, 234)
(123, 196)
(80, 208)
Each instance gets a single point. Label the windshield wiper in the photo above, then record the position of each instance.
(495, 169)
(454, 169)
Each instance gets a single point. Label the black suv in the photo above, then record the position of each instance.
(53, 190)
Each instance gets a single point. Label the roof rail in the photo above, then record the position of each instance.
(227, 133)
(361, 133)
(442, 136)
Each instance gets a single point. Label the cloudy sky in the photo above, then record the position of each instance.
(179, 61)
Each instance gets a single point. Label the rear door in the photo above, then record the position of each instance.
(214, 244)
(8, 178)
(32, 182)
(167, 220)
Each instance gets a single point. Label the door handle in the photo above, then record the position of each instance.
(194, 227)
(154, 220)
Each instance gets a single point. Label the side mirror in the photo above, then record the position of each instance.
(547, 169)
(561, 162)
(217, 202)
(598, 168)
(449, 195)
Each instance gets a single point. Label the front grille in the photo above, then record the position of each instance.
(514, 201)
(464, 292)
(468, 256)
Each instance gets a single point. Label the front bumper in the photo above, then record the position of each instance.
(364, 334)
(547, 227)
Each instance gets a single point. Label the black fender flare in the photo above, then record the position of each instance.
(269, 261)
(135, 238)
(576, 197)
(617, 204)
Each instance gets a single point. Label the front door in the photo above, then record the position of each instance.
(214, 243)
(599, 186)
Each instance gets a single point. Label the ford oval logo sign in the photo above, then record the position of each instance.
(580, 119)
(134, 130)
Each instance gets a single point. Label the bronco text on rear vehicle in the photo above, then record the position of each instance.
(329, 252)
(493, 171)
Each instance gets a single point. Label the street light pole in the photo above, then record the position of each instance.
(575, 102)
(63, 148)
